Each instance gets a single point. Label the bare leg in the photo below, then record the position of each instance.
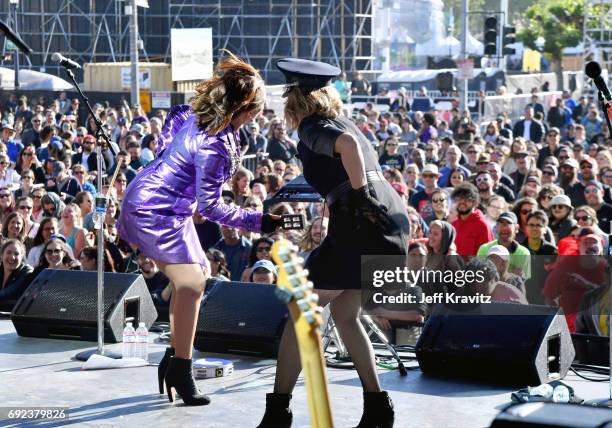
(288, 365)
(189, 282)
(345, 310)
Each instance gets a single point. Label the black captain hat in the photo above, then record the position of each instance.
(304, 72)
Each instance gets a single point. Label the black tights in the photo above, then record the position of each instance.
(345, 308)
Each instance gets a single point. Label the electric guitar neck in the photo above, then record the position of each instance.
(294, 289)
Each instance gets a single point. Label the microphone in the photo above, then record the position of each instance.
(65, 62)
(593, 70)
(9, 34)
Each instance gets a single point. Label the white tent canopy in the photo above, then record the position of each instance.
(474, 47)
(441, 46)
(448, 46)
(415, 76)
(33, 80)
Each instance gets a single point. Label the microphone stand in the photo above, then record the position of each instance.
(100, 213)
(604, 105)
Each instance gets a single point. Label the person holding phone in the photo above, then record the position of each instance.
(200, 152)
(367, 216)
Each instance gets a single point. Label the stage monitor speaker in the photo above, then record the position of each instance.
(553, 415)
(498, 343)
(241, 318)
(63, 304)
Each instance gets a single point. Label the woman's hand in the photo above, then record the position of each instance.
(270, 222)
(370, 208)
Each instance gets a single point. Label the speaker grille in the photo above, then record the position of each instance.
(72, 297)
(63, 304)
(243, 309)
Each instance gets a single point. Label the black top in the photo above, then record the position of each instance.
(281, 151)
(604, 216)
(17, 283)
(335, 263)
(575, 192)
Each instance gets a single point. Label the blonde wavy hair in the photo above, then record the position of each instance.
(305, 101)
(235, 87)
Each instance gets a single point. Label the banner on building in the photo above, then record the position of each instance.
(191, 50)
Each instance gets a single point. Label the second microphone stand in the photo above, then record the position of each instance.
(100, 214)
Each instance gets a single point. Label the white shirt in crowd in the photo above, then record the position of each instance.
(527, 130)
(10, 178)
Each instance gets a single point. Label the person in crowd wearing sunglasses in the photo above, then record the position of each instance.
(261, 250)
(55, 255)
(561, 219)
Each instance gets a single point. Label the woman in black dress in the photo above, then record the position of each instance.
(366, 217)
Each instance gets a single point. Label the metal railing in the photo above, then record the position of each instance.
(250, 161)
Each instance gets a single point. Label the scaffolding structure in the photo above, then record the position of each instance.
(598, 33)
(336, 31)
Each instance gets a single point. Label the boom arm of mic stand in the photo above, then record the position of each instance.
(605, 106)
(100, 133)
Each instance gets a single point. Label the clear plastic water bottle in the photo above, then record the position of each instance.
(99, 211)
(129, 338)
(561, 394)
(142, 342)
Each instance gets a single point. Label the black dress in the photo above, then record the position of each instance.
(335, 264)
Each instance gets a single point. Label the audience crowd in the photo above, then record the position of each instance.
(509, 197)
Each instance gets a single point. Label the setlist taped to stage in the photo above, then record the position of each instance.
(34, 413)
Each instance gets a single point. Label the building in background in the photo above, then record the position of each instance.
(335, 31)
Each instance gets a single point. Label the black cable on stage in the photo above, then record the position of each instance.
(603, 379)
(590, 367)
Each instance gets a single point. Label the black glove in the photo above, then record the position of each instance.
(368, 207)
(269, 225)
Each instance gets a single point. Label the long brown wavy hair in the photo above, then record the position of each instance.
(305, 101)
(235, 87)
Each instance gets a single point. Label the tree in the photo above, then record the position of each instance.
(560, 23)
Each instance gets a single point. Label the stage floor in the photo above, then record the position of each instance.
(42, 372)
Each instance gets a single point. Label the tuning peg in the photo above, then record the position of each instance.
(304, 304)
(299, 292)
(313, 317)
(310, 317)
(314, 298)
(309, 285)
(297, 276)
(300, 260)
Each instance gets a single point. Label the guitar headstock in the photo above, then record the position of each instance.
(293, 284)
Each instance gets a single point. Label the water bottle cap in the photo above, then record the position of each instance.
(141, 324)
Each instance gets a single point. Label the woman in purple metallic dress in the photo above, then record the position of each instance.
(199, 151)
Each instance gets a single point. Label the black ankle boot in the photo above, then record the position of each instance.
(163, 368)
(377, 410)
(179, 378)
(278, 414)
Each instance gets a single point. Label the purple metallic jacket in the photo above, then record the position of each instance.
(188, 174)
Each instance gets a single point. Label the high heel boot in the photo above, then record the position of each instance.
(179, 379)
(377, 410)
(163, 368)
(278, 414)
